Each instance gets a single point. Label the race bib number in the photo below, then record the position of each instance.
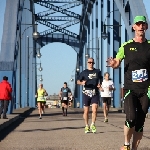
(65, 98)
(41, 97)
(139, 75)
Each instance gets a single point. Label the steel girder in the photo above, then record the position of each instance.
(63, 7)
(57, 18)
(72, 18)
(128, 10)
(59, 9)
(57, 28)
(56, 1)
(61, 29)
(87, 7)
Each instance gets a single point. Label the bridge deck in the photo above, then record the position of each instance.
(56, 132)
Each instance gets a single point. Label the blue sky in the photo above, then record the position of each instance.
(58, 60)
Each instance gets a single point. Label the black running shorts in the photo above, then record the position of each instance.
(87, 100)
(136, 104)
(106, 100)
(65, 101)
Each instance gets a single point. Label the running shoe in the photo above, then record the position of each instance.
(87, 129)
(125, 147)
(106, 120)
(93, 128)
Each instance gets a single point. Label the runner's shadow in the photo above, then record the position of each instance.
(51, 129)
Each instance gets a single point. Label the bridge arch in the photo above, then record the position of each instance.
(57, 37)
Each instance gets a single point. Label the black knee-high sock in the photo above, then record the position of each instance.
(63, 109)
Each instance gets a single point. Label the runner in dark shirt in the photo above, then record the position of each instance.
(64, 94)
(90, 79)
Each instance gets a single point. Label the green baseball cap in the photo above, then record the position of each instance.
(140, 18)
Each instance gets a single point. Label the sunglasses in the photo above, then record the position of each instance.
(91, 62)
(139, 23)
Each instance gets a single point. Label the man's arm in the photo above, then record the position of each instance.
(69, 91)
(100, 77)
(115, 62)
(60, 92)
(45, 93)
(9, 87)
(81, 80)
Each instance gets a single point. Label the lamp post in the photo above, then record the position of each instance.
(28, 70)
(77, 69)
(35, 35)
(20, 63)
(41, 79)
(104, 34)
(38, 55)
(40, 68)
(116, 72)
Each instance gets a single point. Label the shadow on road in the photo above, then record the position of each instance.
(10, 128)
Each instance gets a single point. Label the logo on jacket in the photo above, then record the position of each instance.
(64, 90)
(133, 49)
(91, 76)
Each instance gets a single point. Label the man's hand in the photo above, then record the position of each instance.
(110, 62)
(100, 88)
(113, 62)
(83, 82)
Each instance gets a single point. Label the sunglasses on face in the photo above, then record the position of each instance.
(91, 62)
(139, 23)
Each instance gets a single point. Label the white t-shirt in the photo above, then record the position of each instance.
(105, 85)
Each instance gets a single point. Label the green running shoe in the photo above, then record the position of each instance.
(93, 128)
(87, 129)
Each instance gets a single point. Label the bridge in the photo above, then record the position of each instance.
(56, 132)
(107, 22)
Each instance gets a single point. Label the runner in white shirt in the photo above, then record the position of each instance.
(106, 89)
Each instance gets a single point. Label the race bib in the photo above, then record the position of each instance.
(41, 97)
(90, 93)
(65, 98)
(139, 75)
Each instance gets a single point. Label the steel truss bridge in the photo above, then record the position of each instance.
(103, 26)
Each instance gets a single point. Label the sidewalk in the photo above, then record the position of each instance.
(57, 132)
(17, 113)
